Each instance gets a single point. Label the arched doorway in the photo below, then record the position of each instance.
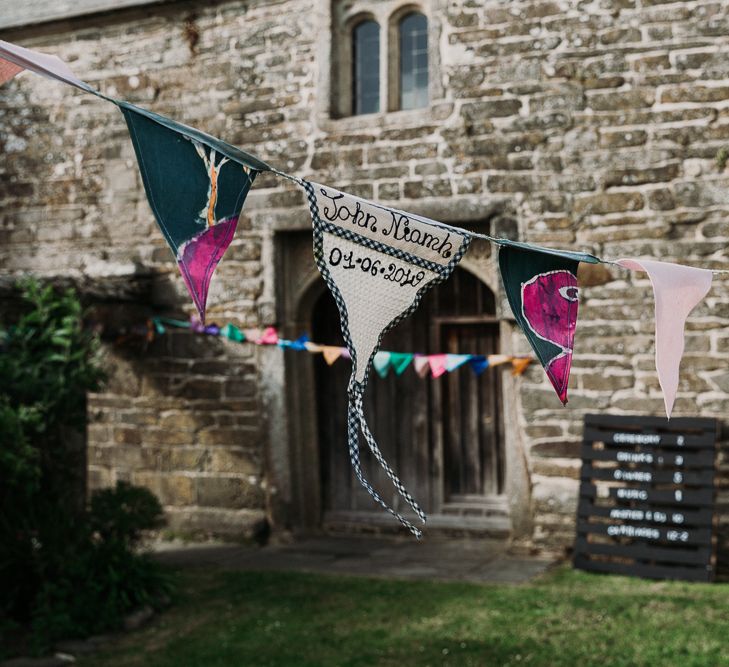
(444, 436)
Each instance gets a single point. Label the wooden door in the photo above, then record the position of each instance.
(442, 436)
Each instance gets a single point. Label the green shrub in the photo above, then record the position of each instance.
(67, 568)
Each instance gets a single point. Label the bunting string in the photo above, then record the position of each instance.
(377, 261)
(384, 361)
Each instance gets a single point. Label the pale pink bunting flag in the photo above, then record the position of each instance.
(14, 59)
(677, 291)
(421, 365)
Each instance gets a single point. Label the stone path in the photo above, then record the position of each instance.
(443, 560)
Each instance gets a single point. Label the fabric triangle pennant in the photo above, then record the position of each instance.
(381, 363)
(455, 361)
(677, 290)
(232, 332)
(479, 363)
(438, 364)
(14, 59)
(268, 337)
(543, 295)
(519, 365)
(300, 343)
(498, 359)
(330, 353)
(421, 364)
(378, 262)
(196, 194)
(399, 361)
(314, 348)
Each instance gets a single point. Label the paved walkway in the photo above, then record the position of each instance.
(442, 560)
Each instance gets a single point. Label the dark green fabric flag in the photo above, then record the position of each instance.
(196, 186)
(543, 295)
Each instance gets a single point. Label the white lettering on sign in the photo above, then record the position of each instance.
(632, 475)
(637, 438)
(634, 457)
(632, 494)
(634, 531)
(677, 535)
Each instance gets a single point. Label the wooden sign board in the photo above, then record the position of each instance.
(646, 505)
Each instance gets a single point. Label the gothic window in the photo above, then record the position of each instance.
(366, 68)
(413, 50)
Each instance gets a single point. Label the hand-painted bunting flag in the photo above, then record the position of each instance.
(677, 291)
(268, 337)
(543, 295)
(381, 363)
(378, 262)
(196, 186)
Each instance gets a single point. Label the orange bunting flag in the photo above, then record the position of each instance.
(520, 364)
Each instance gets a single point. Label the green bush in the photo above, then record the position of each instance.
(67, 568)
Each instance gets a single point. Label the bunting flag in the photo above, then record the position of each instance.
(330, 353)
(268, 337)
(377, 262)
(232, 332)
(438, 364)
(677, 290)
(478, 364)
(421, 365)
(399, 361)
(497, 359)
(519, 365)
(14, 59)
(542, 290)
(455, 361)
(196, 189)
(381, 363)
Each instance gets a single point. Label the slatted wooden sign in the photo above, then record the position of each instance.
(646, 505)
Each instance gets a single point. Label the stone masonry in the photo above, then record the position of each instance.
(593, 124)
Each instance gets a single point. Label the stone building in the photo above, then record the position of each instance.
(595, 124)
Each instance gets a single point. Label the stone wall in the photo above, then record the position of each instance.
(593, 124)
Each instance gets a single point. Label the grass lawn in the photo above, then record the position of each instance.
(296, 620)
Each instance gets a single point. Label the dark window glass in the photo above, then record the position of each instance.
(413, 61)
(366, 68)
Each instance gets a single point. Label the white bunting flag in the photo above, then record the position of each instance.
(378, 262)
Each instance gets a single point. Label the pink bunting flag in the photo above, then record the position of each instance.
(677, 291)
(438, 364)
(14, 59)
(268, 337)
(421, 365)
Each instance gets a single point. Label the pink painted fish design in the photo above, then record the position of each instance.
(549, 305)
(198, 257)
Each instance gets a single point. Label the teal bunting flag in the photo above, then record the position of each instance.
(399, 361)
(196, 186)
